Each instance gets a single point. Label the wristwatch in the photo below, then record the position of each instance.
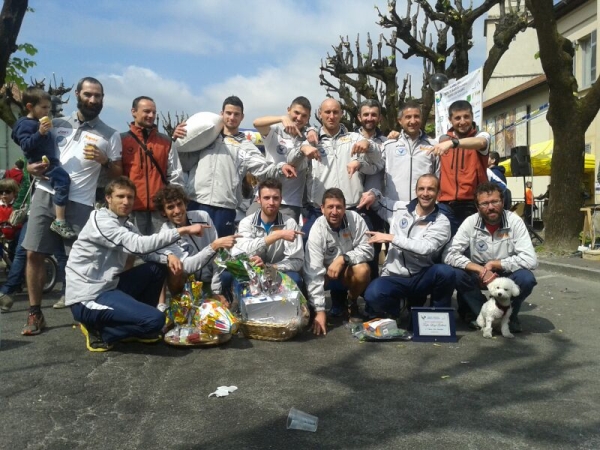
(455, 142)
(107, 164)
(346, 259)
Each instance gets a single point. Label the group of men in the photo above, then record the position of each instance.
(347, 185)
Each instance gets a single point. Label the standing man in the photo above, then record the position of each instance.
(216, 178)
(497, 176)
(463, 153)
(419, 232)
(86, 144)
(269, 238)
(281, 136)
(149, 162)
(340, 160)
(492, 243)
(111, 303)
(336, 258)
(405, 160)
(528, 203)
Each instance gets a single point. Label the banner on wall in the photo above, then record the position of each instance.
(469, 88)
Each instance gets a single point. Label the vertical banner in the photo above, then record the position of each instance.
(469, 88)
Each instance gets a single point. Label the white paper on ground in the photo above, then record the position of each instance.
(223, 391)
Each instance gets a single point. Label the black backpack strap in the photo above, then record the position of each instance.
(151, 156)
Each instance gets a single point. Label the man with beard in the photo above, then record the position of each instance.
(86, 144)
(149, 162)
(215, 180)
(463, 153)
(281, 135)
(491, 243)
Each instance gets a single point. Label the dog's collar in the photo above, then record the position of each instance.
(503, 308)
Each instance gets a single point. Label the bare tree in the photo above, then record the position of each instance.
(11, 19)
(569, 117)
(374, 74)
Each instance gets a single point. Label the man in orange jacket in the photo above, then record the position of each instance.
(463, 153)
(149, 162)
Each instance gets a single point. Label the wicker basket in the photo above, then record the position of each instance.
(274, 331)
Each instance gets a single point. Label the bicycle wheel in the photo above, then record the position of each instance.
(51, 268)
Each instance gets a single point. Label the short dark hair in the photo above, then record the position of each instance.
(460, 105)
(411, 104)
(8, 184)
(234, 101)
(137, 100)
(270, 183)
(370, 103)
(494, 156)
(302, 101)
(488, 188)
(20, 164)
(34, 95)
(169, 194)
(90, 80)
(333, 193)
(119, 182)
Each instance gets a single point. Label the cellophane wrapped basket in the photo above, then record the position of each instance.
(271, 306)
(195, 319)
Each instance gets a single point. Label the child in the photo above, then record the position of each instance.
(32, 134)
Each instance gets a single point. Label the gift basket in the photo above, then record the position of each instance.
(272, 307)
(196, 320)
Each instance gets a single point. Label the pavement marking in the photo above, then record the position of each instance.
(545, 276)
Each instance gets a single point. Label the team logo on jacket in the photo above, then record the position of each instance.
(401, 150)
(61, 141)
(404, 223)
(281, 149)
(481, 246)
(321, 149)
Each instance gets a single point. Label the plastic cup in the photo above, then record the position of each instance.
(299, 420)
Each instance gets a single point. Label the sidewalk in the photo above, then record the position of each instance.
(574, 266)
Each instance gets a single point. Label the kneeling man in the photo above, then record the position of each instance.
(269, 238)
(111, 303)
(499, 245)
(418, 233)
(336, 257)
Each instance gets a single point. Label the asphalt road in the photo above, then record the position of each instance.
(538, 391)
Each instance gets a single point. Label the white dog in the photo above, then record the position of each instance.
(498, 308)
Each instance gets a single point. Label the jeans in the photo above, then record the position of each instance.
(61, 182)
(385, 293)
(472, 299)
(130, 309)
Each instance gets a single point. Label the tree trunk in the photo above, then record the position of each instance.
(11, 19)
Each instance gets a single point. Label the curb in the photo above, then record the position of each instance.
(570, 270)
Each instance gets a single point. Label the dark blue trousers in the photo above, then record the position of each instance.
(130, 310)
(223, 218)
(385, 293)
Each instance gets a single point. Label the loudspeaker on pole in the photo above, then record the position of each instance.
(520, 161)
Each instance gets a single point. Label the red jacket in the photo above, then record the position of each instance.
(461, 171)
(6, 228)
(140, 169)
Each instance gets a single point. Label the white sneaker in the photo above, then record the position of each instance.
(60, 303)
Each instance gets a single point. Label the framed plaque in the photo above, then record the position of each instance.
(433, 324)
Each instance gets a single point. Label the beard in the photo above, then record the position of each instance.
(87, 110)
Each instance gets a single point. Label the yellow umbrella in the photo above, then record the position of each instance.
(541, 160)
